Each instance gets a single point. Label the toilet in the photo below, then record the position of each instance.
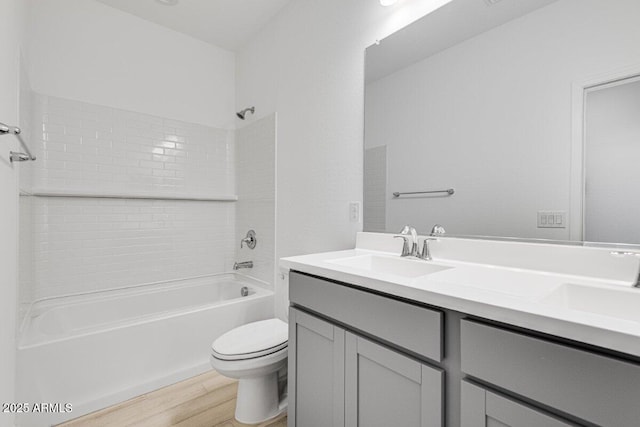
(255, 354)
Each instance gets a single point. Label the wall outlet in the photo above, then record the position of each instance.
(354, 212)
(552, 219)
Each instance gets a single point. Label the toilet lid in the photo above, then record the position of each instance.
(252, 340)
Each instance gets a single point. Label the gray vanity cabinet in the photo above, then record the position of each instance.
(380, 360)
(602, 390)
(316, 372)
(338, 378)
(385, 388)
(484, 408)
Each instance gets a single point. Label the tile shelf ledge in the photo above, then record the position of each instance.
(104, 194)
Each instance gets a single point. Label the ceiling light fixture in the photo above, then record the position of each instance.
(388, 2)
(168, 2)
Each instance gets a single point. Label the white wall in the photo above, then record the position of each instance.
(492, 118)
(12, 25)
(308, 65)
(87, 51)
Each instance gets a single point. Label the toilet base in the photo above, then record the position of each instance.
(259, 400)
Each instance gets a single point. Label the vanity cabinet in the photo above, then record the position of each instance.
(484, 408)
(577, 383)
(353, 359)
(362, 358)
(410, 327)
(385, 388)
(339, 378)
(316, 372)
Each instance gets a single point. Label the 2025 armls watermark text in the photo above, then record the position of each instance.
(36, 408)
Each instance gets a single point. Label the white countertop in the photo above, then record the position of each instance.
(500, 291)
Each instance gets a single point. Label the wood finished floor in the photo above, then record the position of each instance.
(208, 400)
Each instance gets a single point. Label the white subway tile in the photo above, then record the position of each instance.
(92, 244)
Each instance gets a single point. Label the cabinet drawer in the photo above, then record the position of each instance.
(484, 408)
(404, 325)
(587, 385)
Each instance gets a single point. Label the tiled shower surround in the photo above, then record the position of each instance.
(91, 147)
(256, 186)
(89, 244)
(25, 232)
(85, 244)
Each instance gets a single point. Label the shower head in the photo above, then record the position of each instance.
(242, 114)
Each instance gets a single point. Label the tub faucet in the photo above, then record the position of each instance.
(245, 264)
(410, 236)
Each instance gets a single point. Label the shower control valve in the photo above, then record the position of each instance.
(250, 240)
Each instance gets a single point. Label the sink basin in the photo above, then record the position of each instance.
(390, 265)
(615, 303)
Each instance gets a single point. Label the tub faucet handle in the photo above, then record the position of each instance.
(250, 239)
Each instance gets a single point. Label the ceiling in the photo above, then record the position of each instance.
(228, 24)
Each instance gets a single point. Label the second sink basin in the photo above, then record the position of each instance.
(390, 265)
(615, 303)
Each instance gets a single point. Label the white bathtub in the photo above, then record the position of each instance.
(101, 348)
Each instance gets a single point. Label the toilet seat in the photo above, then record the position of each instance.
(252, 340)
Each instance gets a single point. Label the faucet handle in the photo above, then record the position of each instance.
(405, 247)
(426, 252)
(437, 230)
(250, 240)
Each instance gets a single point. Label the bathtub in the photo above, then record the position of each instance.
(97, 349)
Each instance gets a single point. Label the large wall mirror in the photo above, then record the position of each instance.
(528, 111)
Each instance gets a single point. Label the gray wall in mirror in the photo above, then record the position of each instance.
(612, 152)
(489, 100)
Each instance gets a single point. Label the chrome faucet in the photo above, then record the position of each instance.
(437, 230)
(410, 236)
(239, 265)
(425, 254)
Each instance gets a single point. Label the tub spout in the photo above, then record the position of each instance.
(239, 265)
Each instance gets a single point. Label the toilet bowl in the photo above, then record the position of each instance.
(255, 354)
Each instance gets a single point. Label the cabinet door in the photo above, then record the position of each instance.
(483, 408)
(384, 388)
(316, 372)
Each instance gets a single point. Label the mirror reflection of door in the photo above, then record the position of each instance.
(612, 162)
